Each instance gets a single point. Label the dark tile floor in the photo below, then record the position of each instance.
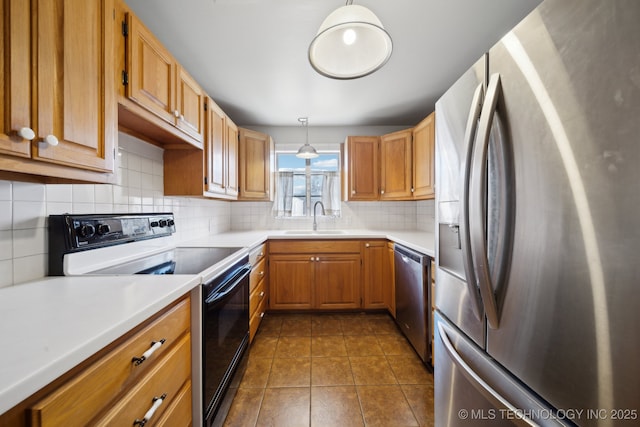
(332, 370)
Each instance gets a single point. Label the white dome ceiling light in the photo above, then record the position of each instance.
(350, 43)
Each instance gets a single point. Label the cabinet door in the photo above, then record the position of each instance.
(395, 166)
(232, 159)
(363, 167)
(15, 77)
(254, 165)
(337, 281)
(291, 281)
(216, 150)
(376, 285)
(190, 105)
(390, 277)
(75, 94)
(152, 72)
(424, 158)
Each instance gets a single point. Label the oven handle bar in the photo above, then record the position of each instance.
(228, 286)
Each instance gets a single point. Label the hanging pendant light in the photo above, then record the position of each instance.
(306, 151)
(350, 43)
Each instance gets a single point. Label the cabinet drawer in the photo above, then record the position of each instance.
(165, 379)
(314, 246)
(80, 399)
(256, 318)
(257, 296)
(257, 253)
(257, 274)
(179, 413)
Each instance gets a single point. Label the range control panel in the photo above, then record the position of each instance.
(79, 232)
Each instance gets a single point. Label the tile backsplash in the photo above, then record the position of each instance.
(24, 208)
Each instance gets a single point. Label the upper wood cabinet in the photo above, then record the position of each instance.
(361, 168)
(395, 166)
(424, 158)
(213, 172)
(221, 151)
(58, 110)
(255, 155)
(159, 100)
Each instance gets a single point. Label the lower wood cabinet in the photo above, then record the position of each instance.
(375, 284)
(120, 386)
(257, 288)
(314, 274)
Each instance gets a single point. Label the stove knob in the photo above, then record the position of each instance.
(87, 230)
(171, 223)
(103, 229)
(163, 223)
(154, 224)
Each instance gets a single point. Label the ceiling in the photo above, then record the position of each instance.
(251, 55)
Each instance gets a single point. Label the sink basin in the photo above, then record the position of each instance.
(316, 232)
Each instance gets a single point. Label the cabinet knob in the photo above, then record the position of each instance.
(176, 113)
(381, 191)
(312, 259)
(261, 294)
(261, 273)
(353, 191)
(366, 245)
(50, 140)
(317, 258)
(413, 190)
(26, 133)
(181, 117)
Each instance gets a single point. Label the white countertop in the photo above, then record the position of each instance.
(49, 326)
(421, 241)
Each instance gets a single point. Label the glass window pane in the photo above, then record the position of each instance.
(307, 183)
(316, 184)
(325, 162)
(289, 161)
(299, 185)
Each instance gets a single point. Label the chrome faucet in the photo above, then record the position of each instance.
(315, 223)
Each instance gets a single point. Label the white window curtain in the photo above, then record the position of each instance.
(331, 193)
(284, 193)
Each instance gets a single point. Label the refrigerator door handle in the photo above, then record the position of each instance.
(522, 407)
(471, 375)
(477, 203)
(465, 238)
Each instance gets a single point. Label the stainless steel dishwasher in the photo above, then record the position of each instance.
(413, 299)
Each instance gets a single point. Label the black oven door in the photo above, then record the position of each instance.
(225, 316)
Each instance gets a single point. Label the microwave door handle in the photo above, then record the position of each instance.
(465, 239)
(228, 286)
(478, 202)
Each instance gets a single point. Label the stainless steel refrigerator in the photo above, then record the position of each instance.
(538, 224)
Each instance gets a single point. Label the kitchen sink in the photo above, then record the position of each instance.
(316, 232)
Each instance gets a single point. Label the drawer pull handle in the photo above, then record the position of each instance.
(157, 401)
(154, 346)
